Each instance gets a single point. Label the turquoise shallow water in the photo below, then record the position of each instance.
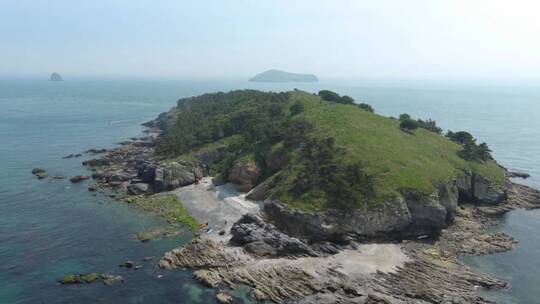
(49, 228)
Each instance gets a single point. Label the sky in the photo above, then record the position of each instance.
(417, 39)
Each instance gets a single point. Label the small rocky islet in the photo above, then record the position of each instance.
(430, 203)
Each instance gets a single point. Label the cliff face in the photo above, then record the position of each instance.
(408, 214)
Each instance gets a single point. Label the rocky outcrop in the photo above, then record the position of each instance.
(262, 239)
(245, 174)
(386, 218)
(475, 188)
(409, 214)
(210, 156)
(171, 175)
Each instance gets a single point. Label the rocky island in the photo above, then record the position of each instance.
(312, 198)
(56, 77)
(281, 76)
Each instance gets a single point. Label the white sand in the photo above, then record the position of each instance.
(219, 206)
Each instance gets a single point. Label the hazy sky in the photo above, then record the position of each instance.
(233, 38)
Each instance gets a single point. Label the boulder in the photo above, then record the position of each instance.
(93, 187)
(139, 188)
(38, 170)
(171, 175)
(262, 239)
(109, 279)
(487, 192)
(96, 162)
(119, 177)
(245, 174)
(41, 175)
(427, 213)
(146, 172)
(258, 295)
(223, 298)
(208, 277)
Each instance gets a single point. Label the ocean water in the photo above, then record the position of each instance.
(50, 228)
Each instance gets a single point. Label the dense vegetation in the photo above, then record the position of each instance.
(338, 154)
(471, 150)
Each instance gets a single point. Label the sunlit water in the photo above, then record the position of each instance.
(49, 228)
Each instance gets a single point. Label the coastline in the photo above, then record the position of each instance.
(430, 273)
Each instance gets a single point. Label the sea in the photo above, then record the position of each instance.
(50, 228)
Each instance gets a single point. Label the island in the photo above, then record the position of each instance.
(56, 77)
(315, 198)
(281, 76)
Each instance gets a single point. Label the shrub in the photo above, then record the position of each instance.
(329, 96)
(430, 125)
(460, 137)
(367, 107)
(334, 97)
(346, 100)
(408, 125)
(296, 108)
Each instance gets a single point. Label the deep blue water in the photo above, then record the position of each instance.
(49, 228)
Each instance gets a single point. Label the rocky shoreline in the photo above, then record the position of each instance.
(278, 264)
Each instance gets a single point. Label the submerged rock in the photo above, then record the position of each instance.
(80, 278)
(109, 279)
(78, 178)
(38, 170)
(224, 298)
(41, 175)
(144, 236)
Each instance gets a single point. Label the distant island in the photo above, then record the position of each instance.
(281, 76)
(56, 77)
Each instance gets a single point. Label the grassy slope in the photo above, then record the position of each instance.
(398, 159)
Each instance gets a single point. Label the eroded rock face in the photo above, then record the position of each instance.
(389, 217)
(244, 174)
(172, 175)
(262, 239)
(487, 192)
(475, 188)
(409, 214)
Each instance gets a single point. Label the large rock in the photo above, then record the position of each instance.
(475, 188)
(171, 175)
(487, 192)
(388, 217)
(245, 174)
(210, 156)
(146, 171)
(139, 188)
(262, 239)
